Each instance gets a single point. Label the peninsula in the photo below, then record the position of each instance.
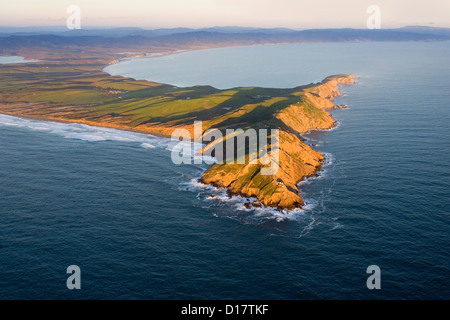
(77, 90)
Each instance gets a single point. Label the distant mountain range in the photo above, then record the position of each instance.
(12, 40)
(131, 31)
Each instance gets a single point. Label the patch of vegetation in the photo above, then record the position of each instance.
(51, 86)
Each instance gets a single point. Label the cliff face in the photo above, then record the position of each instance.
(79, 92)
(296, 159)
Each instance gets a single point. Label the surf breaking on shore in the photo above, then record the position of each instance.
(98, 134)
(158, 109)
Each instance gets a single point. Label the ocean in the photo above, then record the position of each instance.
(140, 227)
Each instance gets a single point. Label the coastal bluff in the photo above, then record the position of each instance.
(80, 92)
(297, 160)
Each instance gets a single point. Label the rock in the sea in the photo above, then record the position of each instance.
(212, 196)
(248, 205)
(256, 204)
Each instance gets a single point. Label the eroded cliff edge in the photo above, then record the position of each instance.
(297, 160)
(77, 91)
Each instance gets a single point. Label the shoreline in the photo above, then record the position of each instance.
(246, 201)
(299, 163)
(248, 205)
(285, 199)
(304, 108)
(88, 123)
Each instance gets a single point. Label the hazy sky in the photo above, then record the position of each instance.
(296, 14)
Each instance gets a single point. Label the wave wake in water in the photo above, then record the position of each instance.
(223, 205)
(85, 132)
(95, 134)
(230, 207)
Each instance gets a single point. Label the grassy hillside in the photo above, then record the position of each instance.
(78, 91)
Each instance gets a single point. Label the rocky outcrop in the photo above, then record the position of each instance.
(296, 159)
(160, 109)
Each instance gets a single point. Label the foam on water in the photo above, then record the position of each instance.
(96, 134)
(329, 160)
(147, 145)
(81, 131)
(257, 215)
(233, 206)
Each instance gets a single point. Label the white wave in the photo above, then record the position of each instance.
(147, 145)
(84, 132)
(195, 185)
(336, 225)
(329, 159)
(95, 134)
(236, 203)
(297, 213)
(223, 206)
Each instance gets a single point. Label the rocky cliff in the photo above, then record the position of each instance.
(79, 92)
(296, 159)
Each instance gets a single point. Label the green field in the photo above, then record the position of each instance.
(78, 91)
(52, 87)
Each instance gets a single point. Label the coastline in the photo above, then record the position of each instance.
(304, 108)
(88, 123)
(298, 160)
(246, 202)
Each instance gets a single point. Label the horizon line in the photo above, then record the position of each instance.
(92, 27)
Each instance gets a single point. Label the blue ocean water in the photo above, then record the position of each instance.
(140, 227)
